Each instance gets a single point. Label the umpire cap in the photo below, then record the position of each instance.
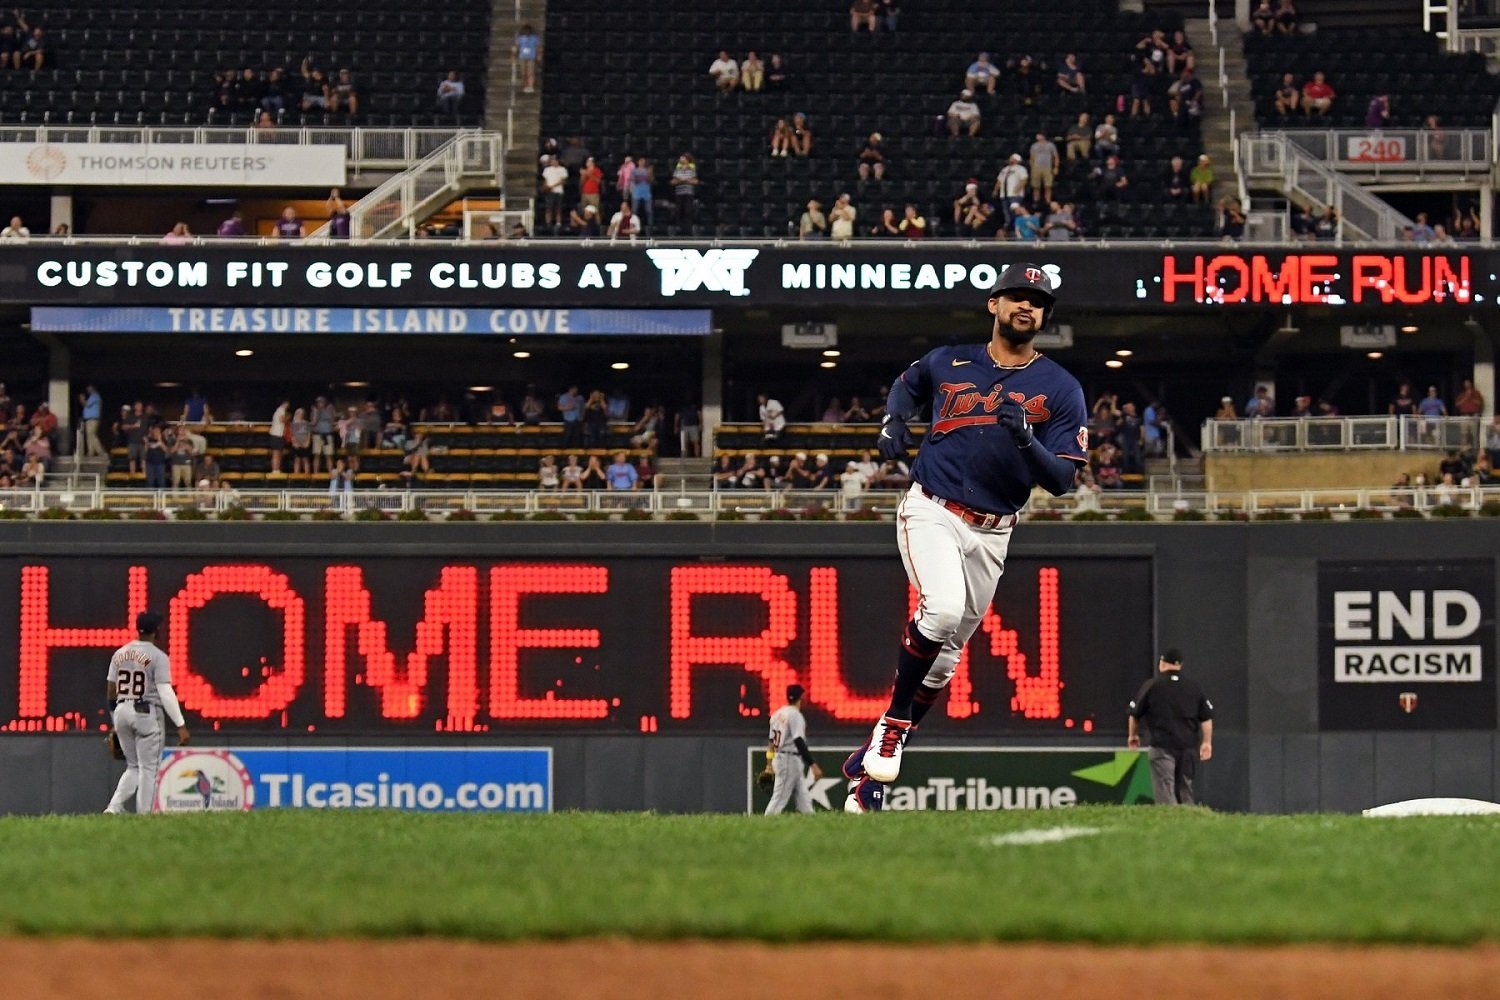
(1029, 277)
(148, 621)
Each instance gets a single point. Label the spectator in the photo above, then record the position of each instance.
(752, 73)
(1152, 50)
(547, 477)
(1043, 165)
(1231, 219)
(833, 413)
(841, 219)
(802, 136)
(586, 225)
(1264, 18)
(725, 475)
(685, 189)
(725, 72)
(982, 73)
(888, 226)
(301, 443)
(1078, 138)
(1111, 183)
(1327, 225)
(621, 475)
(1178, 187)
(288, 226)
(1108, 473)
(1128, 437)
(856, 413)
(644, 433)
(1025, 84)
(180, 461)
(450, 95)
(33, 52)
(1288, 96)
(1286, 17)
(1440, 237)
(554, 180)
(1261, 405)
(772, 417)
(338, 215)
(10, 46)
(265, 122)
(1142, 89)
(1154, 424)
(156, 460)
(233, 227)
(645, 473)
(1432, 405)
(872, 155)
(210, 476)
(963, 114)
(570, 405)
(1317, 96)
(595, 419)
(528, 49)
(324, 418)
(622, 176)
(1027, 226)
(979, 221)
(822, 474)
(590, 184)
(314, 87)
(1107, 138)
(1186, 98)
(888, 12)
(341, 485)
(781, 138)
(1202, 179)
(179, 236)
(862, 14)
(1484, 472)
(1180, 53)
(1060, 223)
(749, 475)
(16, 230)
(91, 412)
(688, 422)
(572, 474)
(813, 224)
(853, 483)
(1303, 222)
(130, 431)
(1470, 401)
(418, 462)
(641, 202)
(1378, 112)
(912, 225)
(532, 407)
(965, 201)
(1453, 465)
(624, 223)
(777, 74)
(1010, 185)
(1421, 232)
(1492, 440)
(1070, 78)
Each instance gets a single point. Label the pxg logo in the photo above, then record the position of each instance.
(710, 270)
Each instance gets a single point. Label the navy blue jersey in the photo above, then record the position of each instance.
(966, 456)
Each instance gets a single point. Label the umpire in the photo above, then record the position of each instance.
(1181, 720)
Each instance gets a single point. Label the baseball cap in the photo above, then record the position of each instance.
(148, 621)
(794, 691)
(1171, 655)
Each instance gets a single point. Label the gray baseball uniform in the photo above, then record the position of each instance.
(142, 676)
(787, 727)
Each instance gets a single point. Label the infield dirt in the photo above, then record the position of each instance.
(43, 969)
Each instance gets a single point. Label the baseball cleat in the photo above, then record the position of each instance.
(883, 760)
(865, 796)
(854, 764)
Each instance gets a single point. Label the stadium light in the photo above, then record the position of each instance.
(481, 388)
(1124, 352)
(828, 364)
(521, 354)
(1114, 363)
(243, 352)
(1410, 328)
(832, 353)
(620, 366)
(1374, 355)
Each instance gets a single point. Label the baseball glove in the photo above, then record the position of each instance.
(112, 741)
(766, 779)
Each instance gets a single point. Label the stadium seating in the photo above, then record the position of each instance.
(1361, 63)
(152, 62)
(638, 85)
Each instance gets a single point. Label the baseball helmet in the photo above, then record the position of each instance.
(1031, 277)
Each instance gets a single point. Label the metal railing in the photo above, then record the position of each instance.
(1345, 434)
(366, 148)
(1273, 157)
(1402, 150)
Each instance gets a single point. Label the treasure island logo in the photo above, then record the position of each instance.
(201, 780)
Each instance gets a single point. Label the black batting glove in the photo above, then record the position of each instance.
(894, 439)
(1012, 416)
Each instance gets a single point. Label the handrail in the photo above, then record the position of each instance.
(1402, 150)
(1273, 156)
(1368, 433)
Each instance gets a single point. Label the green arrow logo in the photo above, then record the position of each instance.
(1111, 772)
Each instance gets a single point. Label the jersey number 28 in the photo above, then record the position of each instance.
(131, 684)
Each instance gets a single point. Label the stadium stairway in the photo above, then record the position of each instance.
(1218, 138)
(518, 113)
(685, 475)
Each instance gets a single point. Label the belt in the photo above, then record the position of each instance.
(978, 518)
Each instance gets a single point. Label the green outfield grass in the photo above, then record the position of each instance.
(1148, 875)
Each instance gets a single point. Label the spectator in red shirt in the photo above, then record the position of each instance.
(1317, 96)
(589, 181)
(912, 225)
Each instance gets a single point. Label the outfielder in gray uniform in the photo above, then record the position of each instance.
(139, 687)
(787, 753)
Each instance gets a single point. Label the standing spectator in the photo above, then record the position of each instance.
(1128, 435)
(341, 485)
(622, 177)
(450, 95)
(570, 405)
(862, 14)
(278, 434)
(1317, 96)
(1079, 136)
(912, 225)
(963, 114)
(16, 230)
(1432, 404)
(1043, 165)
(685, 190)
(338, 215)
(982, 73)
(1202, 179)
(852, 484)
(772, 417)
(689, 426)
(777, 74)
(532, 407)
(813, 224)
(89, 445)
(1288, 97)
(180, 461)
(288, 226)
(234, 226)
(1010, 186)
(301, 442)
(156, 460)
(554, 180)
(640, 192)
(528, 49)
(1181, 720)
(1422, 232)
(590, 184)
(1470, 401)
(595, 419)
(132, 428)
(1070, 78)
(1378, 112)
(1142, 89)
(752, 73)
(802, 135)
(621, 475)
(841, 219)
(324, 417)
(725, 72)
(624, 223)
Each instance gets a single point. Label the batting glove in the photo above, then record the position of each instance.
(894, 439)
(1012, 417)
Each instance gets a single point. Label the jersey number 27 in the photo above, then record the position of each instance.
(131, 684)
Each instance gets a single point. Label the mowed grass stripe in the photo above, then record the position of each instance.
(1150, 875)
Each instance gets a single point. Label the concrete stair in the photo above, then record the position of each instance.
(1218, 140)
(685, 475)
(508, 108)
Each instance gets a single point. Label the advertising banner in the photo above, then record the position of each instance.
(1406, 644)
(488, 779)
(443, 647)
(342, 319)
(171, 164)
(981, 779)
(624, 275)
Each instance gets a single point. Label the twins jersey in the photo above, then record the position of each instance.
(968, 457)
(136, 669)
(787, 726)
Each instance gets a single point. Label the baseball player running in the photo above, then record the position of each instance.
(139, 683)
(1003, 420)
(789, 734)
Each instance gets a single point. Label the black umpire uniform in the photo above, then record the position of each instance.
(1180, 718)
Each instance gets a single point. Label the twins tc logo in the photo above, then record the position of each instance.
(1033, 274)
(962, 404)
(711, 270)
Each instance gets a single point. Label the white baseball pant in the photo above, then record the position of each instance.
(955, 568)
(141, 740)
(789, 787)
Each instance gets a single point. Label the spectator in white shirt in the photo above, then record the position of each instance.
(963, 114)
(554, 179)
(624, 223)
(841, 219)
(725, 71)
(16, 230)
(450, 95)
(772, 417)
(1010, 184)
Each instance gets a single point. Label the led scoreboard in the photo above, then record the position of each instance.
(598, 643)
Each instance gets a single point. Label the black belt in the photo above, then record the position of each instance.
(978, 518)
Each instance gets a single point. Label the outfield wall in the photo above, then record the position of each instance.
(1263, 613)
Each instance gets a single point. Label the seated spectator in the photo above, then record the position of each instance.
(16, 230)
(1060, 223)
(450, 95)
(38, 445)
(1111, 183)
(1264, 18)
(33, 47)
(1378, 112)
(841, 219)
(1026, 225)
(1107, 138)
(802, 135)
(1107, 470)
(571, 474)
(822, 474)
(752, 73)
(749, 475)
(1484, 471)
(725, 475)
(314, 87)
(966, 201)
(234, 226)
(1025, 83)
(547, 477)
(1202, 178)
(1453, 465)
(179, 235)
(624, 223)
(10, 47)
(1231, 219)
(1010, 185)
(1440, 237)
(1288, 96)
(893, 475)
(772, 417)
(1178, 187)
(1186, 98)
(416, 463)
(963, 114)
(265, 122)
(982, 74)
(872, 155)
(1327, 225)
(1421, 232)
(1261, 405)
(781, 138)
(912, 225)
(813, 224)
(32, 475)
(594, 477)
(1079, 137)
(888, 227)
(586, 225)
(777, 74)
(1302, 223)
(644, 433)
(888, 12)
(1180, 53)
(1286, 17)
(862, 15)
(1317, 96)
(532, 409)
(725, 72)
(1070, 78)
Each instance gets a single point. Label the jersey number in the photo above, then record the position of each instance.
(130, 684)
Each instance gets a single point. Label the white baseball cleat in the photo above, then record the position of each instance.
(883, 759)
(865, 796)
